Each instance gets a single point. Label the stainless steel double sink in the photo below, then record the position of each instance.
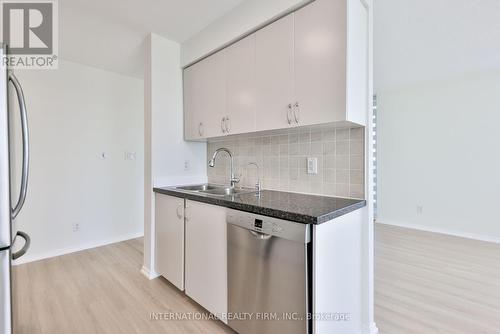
(215, 190)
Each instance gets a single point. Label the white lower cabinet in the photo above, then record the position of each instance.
(206, 258)
(169, 220)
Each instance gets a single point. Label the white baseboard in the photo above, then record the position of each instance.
(150, 274)
(62, 251)
(454, 233)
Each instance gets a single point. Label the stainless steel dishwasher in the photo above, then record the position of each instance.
(268, 261)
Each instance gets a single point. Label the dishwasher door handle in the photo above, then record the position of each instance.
(259, 235)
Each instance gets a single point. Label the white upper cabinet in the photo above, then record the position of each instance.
(309, 67)
(240, 81)
(320, 62)
(274, 71)
(205, 97)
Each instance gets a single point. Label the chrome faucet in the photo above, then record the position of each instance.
(211, 163)
(257, 185)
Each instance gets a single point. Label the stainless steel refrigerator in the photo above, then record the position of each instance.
(12, 106)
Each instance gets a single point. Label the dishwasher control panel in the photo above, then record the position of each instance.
(268, 225)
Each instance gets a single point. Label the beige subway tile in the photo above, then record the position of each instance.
(329, 148)
(284, 185)
(294, 186)
(275, 149)
(329, 175)
(316, 135)
(303, 163)
(284, 173)
(328, 134)
(316, 187)
(357, 177)
(284, 150)
(329, 161)
(342, 176)
(357, 134)
(341, 134)
(357, 191)
(303, 186)
(357, 162)
(329, 189)
(293, 149)
(294, 174)
(316, 148)
(303, 174)
(305, 148)
(342, 189)
(342, 147)
(294, 162)
(293, 138)
(357, 147)
(304, 137)
(284, 162)
(320, 165)
(342, 162)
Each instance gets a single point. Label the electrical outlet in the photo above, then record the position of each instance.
(76, 227)
(420, 209)
(312, 165)
(186, 165)
(130, 155)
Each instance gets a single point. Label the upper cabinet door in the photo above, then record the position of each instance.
(320, 62)
(193, 128)
(274, 71)
(205, 97)
(240, 82)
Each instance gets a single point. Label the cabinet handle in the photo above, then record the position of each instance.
(296, 112)
(179, 211)
(228, 124)
(186, 216)
(222, 121)
(288, 114)
(200, 129)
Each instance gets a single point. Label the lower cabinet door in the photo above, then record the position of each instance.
(169, 220)
(206, 258)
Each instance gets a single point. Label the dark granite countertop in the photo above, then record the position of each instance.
(301, 208)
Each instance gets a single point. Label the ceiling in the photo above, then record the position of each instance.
(109, 34)
(416, 41)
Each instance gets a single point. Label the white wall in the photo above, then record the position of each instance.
(75, 113)
(439, 148)
(242, 19)
(165, 149)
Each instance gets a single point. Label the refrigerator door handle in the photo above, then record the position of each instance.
(24, 125)
(22, 251)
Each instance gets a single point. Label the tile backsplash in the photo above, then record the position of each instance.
(282, 159)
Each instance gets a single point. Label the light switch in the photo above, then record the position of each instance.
(312, 165)
(130, 155)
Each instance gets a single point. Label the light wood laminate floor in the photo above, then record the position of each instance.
(433, 283)
(425, 283)
(100, 290)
